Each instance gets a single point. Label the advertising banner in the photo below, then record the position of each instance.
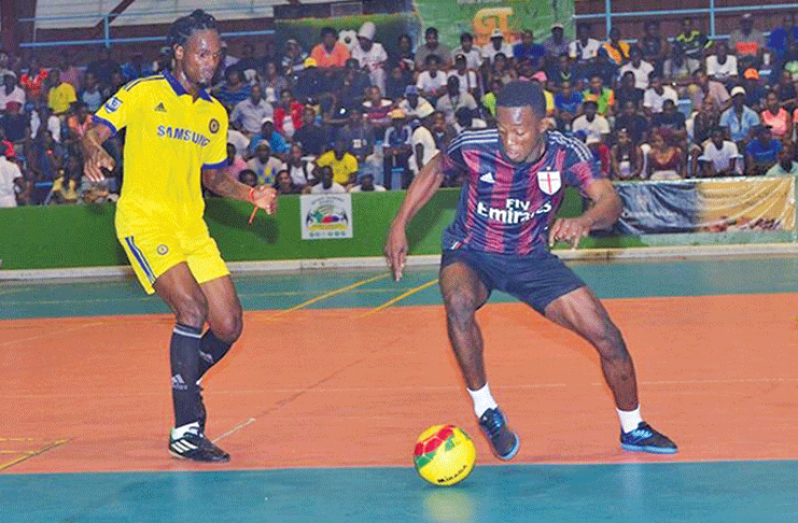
(326, 216)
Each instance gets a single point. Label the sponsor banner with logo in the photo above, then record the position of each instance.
(326, 216)
(750, 204)
(481, 17)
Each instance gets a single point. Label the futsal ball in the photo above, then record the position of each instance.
(444, 455)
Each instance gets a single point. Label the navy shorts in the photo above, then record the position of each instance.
(536, 279)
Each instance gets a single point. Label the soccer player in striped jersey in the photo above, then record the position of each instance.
(514, 178)
(176, 140)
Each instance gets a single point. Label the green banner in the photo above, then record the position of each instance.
(480, 17)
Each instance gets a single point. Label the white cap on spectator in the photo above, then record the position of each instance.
(497, 33)
(738, 90)
(425, 110)
(267, 119)
(367, 31)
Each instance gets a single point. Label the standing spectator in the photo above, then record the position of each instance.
(33, 80)
(780, 37)
(135, 67)
(248, 114)
(288, 114)
(413, 105)
(432, 47)
(637, 66)
(654, 47)
(777, 118)
(693, 41)
(603, 96)
(722, 66)
(453, 100)
(627, 92)
(762, 152)
(396, 151)
(91, 95)
(343, 165)
(371, 55)
(786, 166)
(103, 67)
(633, 121)
(720, 156)
(311, 136)
(593, 124)
(327, 184)
(273, 83)
(233, 90)
(468, 79)
(665, 161)
(377, 109)
(264, 164)
(556, 45)
(748, 43)
(656, 94)
(527, 49)
(431, 82)
(61, 94)
(69, 73)
(330, 54)
(472, 55)
(617, 49)
(10, 180)
(626, 157)
(739, 119)
(10, 91)
(300, 168)
(702, 87)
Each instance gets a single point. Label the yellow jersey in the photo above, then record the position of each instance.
(169, 139)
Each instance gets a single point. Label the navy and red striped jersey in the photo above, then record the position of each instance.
(507, 207)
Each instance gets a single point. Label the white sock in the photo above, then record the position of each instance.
(482, 400)
(179, 432)
(630, 419)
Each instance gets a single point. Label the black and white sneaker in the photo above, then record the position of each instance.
(193, 445)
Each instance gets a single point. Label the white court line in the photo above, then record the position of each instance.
(235, 429)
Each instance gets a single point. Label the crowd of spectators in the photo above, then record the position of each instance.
(366, 115)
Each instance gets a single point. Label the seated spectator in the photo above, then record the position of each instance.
(164, 60)
(762, 152)
(300, 168)
(471, 55)
(617, 49)
(312, 137)
(641, 69)
(103, 67)
(239, 140)
(599, 150)
(66, 185)
(312, 85)
(233, 90)
(656, 95)
(287, 114)
(91, 95)
(397, 83)
(441, 131)
(556, 45)
(264, 164)
(665, 161)
(786, 92)
(330, 54)
(61, 94)
(699, 128)
(267, 133)
(78, 122)
(371, 55)
(33, 80)
(413, 104)
(46, 156)
(422, 143)
(678, 69)
(367, 185)
(248, 115)
(720, 156)
(779, 38)
(633, 122)
(654, 47)
(377, 109)
(16, 126)
(627, 92)
(541, 80)
(603, 96)
(404, 58)
(567, 105)
(453, 100)
(722, 66)
(69, 73)
(594, 125)
(293, 59)
(703, 87)
(273, 83)
(777, 118)
(468, 80)
(10, 180)
(500, 68)
(432, 47)
(396, 149)
(692, 41)
(42, 116)
(560, 70)
(248, 177)
(603, 67)
(359, 135)
(489, 98)
(527, 49)
(235, 164)
(344, 165)
(431, 82)
(285, 184)
(117, 82)
(465, 120)
(748, 43)
(326, 184)
(739, 119)
(584, 48)
(672, 120)
(135, 68)
(350, 87)
(755, 92)
(11, 92)
(786, 166)
(626, 157)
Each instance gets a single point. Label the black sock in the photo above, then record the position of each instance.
(185, 361)
(211, 351)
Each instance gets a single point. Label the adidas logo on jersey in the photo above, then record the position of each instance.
(487, 178)
(160, 108)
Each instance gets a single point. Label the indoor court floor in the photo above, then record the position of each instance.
(337, 373)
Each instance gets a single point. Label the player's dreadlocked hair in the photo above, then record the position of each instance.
(184, 27)
(520, 93)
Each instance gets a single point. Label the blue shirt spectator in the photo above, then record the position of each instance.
(738, 118)
(276, 141)
(762, 152)
(527, 49)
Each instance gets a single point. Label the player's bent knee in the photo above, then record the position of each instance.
(609, 341)
(229, 327)
(192, 310)
(460, 308)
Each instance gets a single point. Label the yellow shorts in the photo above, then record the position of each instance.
(153, 250)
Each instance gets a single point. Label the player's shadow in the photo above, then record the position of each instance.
(227, 214)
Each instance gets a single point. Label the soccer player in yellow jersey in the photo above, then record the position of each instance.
(176, 139)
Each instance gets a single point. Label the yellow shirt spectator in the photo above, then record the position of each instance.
(343, 168)
(61, 97)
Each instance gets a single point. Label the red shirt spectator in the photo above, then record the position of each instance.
(33, 80)
(288, 107)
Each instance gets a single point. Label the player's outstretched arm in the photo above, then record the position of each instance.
(222, 183)
(605, 211)
(97, 158)
(425, 185)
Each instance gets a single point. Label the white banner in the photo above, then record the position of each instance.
(326, 216)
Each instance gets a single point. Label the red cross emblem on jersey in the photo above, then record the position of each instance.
(549, 181)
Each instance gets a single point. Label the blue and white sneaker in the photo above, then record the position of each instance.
(646, 439)
(503, 441)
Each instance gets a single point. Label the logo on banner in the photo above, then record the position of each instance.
(326, 216)
(549, 181)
